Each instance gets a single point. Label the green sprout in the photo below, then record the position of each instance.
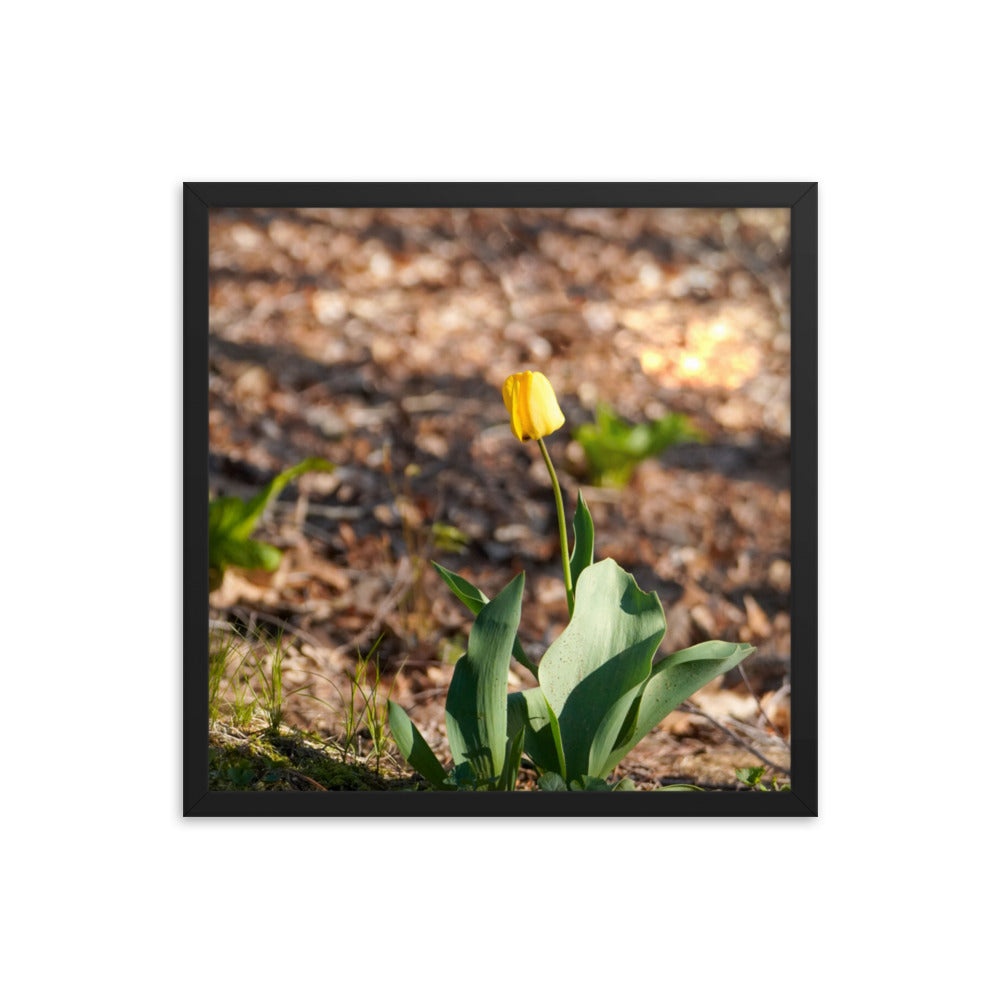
(752, 777)
(615, 447)
(232, 520)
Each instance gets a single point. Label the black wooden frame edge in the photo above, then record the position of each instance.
(525, 194)
(805, 497)
(430, 804)
(801, 198)
(194, 504)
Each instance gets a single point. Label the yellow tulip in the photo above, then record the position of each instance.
(532, 405)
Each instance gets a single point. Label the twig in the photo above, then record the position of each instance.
(426, 694)
(691, 710)
(758, 736)
(327, 511)
(760, 707)
(252, 617)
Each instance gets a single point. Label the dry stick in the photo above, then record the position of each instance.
(250, 620)
(427, 694)
(331, 513)
(757, 735)
(691, 710)
(760, 707)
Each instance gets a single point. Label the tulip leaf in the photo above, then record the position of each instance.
(583, 539)
(475, 600)
(556, 737)
(542, 740)
(414, 747)
(604, 653)
(476, 705)
(469, 594)
(619, 718)
(672, 680)
(512, 763)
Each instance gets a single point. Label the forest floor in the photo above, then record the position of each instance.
(380, 339)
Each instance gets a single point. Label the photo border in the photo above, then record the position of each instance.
(800, 197)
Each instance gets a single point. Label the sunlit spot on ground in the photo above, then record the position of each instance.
(712, 355)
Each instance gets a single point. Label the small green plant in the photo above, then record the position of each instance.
(371, 714)
(752, 777)
(448, 538)
(271, 697)
(615, 447)
(599, 691)
(245, 679)
(232, 520)
(362, 712)
(220, 650)
(239, 776)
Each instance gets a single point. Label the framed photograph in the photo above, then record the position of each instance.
(498, 497)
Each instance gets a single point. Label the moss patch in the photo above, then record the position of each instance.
(289, 760)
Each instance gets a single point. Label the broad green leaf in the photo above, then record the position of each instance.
(476, 706)
(618, 719)
(627, 730)
(414, 747)
(604, 653)
(475, 600)
(583, 539)
(673, 679)
(679, 788)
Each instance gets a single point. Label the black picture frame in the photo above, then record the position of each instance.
(802, 200)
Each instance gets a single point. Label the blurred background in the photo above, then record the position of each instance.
(379, 340)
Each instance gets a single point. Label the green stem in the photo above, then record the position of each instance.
(561, 514)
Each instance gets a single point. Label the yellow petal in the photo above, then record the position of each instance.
(531, 401)
(508, 390)
(516, 399)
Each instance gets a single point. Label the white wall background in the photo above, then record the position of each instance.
(108, 107)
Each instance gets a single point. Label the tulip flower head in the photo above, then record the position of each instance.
(531, 402)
